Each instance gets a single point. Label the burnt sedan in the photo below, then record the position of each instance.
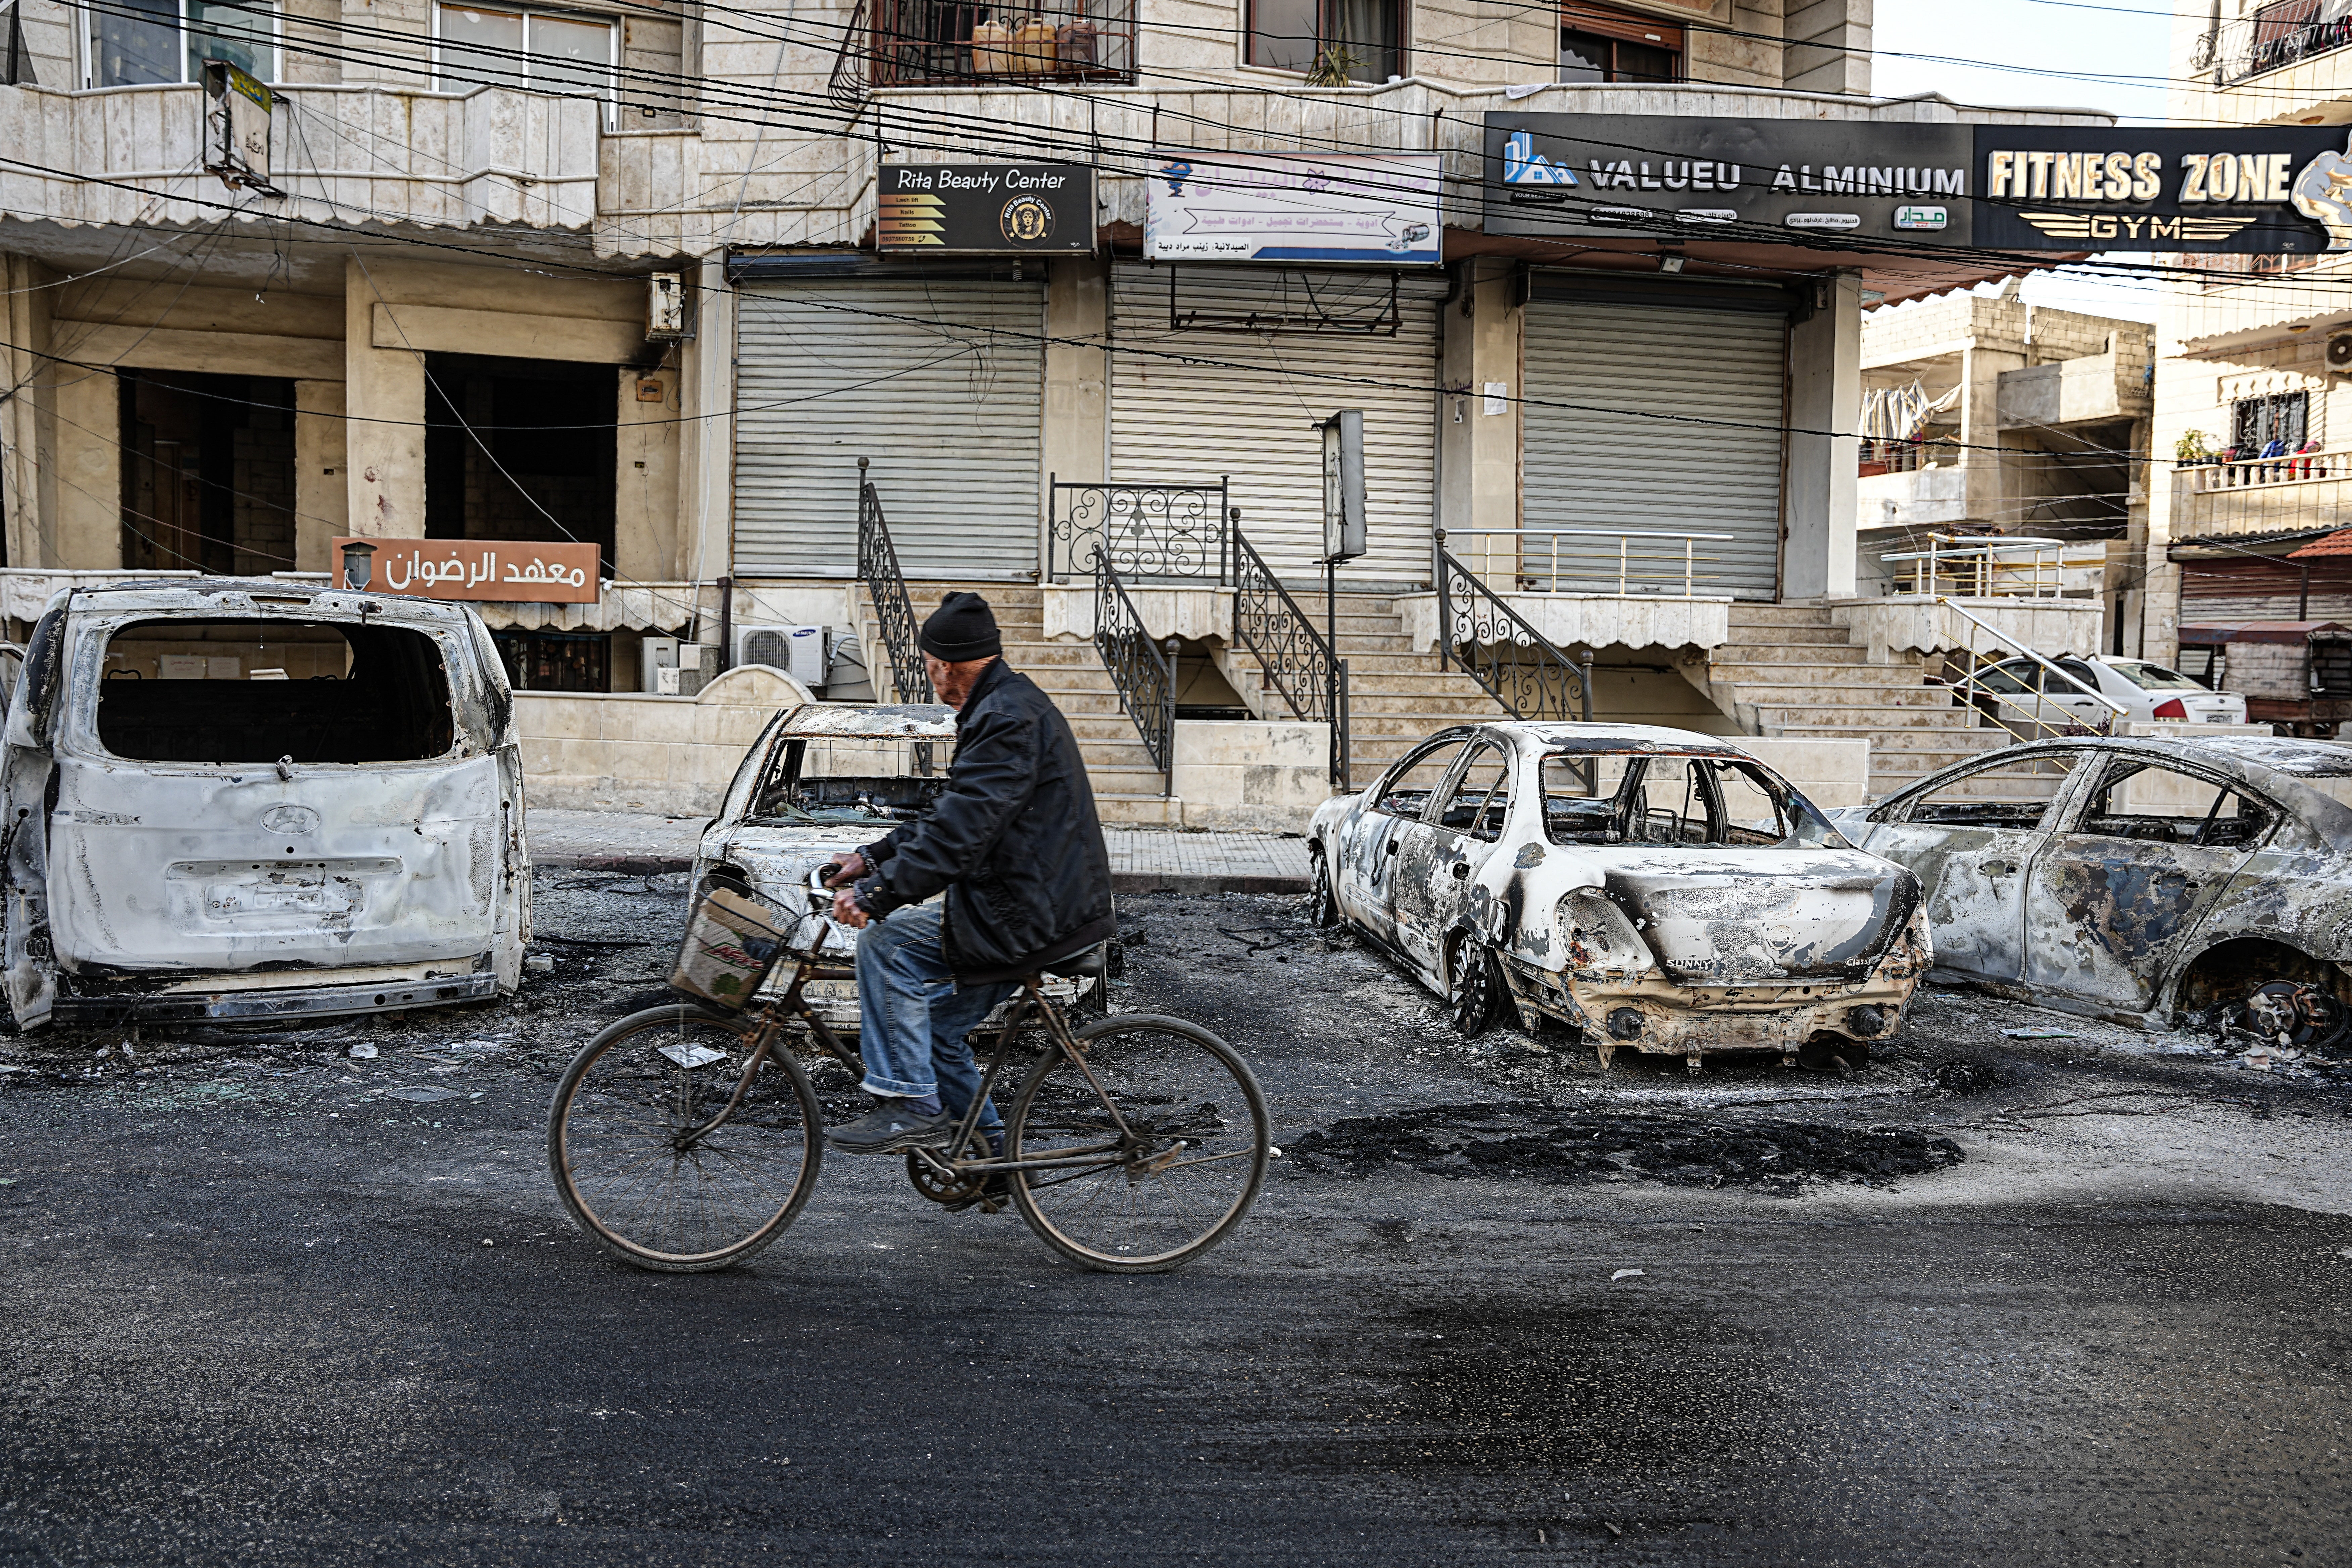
(2140, 880)
(1654, 889)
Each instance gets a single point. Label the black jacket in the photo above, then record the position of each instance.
(1013, 839)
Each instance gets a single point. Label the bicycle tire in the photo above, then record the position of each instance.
(1168, 1065)
(614, 1108)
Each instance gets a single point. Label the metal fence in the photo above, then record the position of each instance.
(1974, 567)
(1497, 648)
(1143, 673)
(1607, 560)
(1301, 665)
(943, 42)
(894, 617)
(1149, 532)
(2272, 37)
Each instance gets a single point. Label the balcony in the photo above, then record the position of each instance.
(2277, 35)
(953, 43)
(436, 159)
(2274, 494)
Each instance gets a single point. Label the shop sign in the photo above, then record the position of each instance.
(1294, 206)
(473, 569)
(2244, 190)
(946, 209)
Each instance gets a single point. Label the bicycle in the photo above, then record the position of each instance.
(687, 1137)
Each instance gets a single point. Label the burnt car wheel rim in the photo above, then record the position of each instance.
(1323, 907)
(1473, 1003)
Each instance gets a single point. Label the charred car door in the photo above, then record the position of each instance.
(1438, 862)
(2148, 847)
(1371, 836)
(1971, 838)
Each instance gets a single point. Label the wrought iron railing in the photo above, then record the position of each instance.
(1494, 644)
(1143, 673)
(2275, 36)
(1301, 665)
(1150, 532)
(894, 617)
(946, 43)
(847, 86)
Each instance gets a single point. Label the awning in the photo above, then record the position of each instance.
(2337, 543)
(2221, 632)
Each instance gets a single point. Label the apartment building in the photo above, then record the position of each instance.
(622, 274)
(2253, 416)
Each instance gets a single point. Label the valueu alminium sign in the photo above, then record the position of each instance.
(944, 209)
(2247, 190)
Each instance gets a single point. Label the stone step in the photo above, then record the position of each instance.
(1754, 614)
(1743, 634)
(1839, 695)
(1858, 719)
(1781, 655)
(1125, 809)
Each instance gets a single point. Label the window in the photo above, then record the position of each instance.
(2154, 676)
(553, 51)
(218, 691)
(1329, 41)
(1483, 800)
(140, 42)
(2015, 792)
(1598, 45)
(1406, 791)
(2269, 426)
(919, 42)
(1604, 799)
(2161, 806)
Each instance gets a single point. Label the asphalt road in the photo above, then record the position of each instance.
(260, 1310)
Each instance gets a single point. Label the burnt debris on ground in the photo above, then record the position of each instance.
(1528, 1141)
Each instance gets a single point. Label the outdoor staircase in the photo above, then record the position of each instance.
(1789, 670)
(1396, 695)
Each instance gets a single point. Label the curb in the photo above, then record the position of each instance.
(1170, 882)
(635, 865)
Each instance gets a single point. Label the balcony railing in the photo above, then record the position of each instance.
(952, 43)
(1151, 532)
(1600, 560)
(1979, 568)
(2268, 495)
(2275, 37)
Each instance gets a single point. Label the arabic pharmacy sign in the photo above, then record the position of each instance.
(2247, 190)
(1292, 206)
(474, 569)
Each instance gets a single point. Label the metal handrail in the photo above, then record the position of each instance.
(1484, 623)
(1624, 538)
(894, 616)
(1986, 559)
(1151, 531)
(1300, 663)
(1989, 701)
(1143, 676)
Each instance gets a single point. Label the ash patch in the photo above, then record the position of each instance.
(1529, 1141)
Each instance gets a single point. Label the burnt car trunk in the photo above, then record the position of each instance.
(234, 800)
(1741, 917)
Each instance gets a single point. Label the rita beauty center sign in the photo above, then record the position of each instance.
(2245, 189)
(474, 569)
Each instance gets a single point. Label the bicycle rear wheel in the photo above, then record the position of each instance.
(639, 1167)
(1179, 1180)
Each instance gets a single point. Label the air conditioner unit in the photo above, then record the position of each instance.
(670, 667)
(2339, 354)
(798, 651)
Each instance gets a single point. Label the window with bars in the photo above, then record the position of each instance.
(2273, 425)
(939, 43)
(1329, 41)
(140, 42)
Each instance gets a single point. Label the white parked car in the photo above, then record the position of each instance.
(2146, 693)
(1655, 889)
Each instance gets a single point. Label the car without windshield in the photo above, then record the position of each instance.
(2139, 879)
(232, 799)
(823, 779)
(1655, 889)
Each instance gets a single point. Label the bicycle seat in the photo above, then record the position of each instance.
(1087, 965)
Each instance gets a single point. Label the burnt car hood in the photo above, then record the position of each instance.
(1733, 917)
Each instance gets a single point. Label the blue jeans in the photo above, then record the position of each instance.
(913, 1016)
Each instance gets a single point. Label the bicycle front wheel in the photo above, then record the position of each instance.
(1180, 1176)
(646, 1163)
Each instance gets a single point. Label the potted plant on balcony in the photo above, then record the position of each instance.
(2190, 450)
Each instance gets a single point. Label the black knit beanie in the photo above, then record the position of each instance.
(962, 627)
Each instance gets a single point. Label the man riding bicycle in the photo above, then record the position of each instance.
(1013, 843)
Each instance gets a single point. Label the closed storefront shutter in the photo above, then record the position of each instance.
(1249, 411)
(1606, 460)
(939, 382)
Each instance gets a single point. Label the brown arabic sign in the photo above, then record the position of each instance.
(474, 569)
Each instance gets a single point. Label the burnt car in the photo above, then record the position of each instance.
(2140, 880)
(823, 779)
(1657, 890)
(255, 799)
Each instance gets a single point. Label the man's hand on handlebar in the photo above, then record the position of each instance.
(846, 869)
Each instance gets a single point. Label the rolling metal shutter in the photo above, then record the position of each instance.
(1608, 462)
(1250, 414)
(939, 383)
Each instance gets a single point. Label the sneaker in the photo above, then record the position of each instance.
(890, 1127)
